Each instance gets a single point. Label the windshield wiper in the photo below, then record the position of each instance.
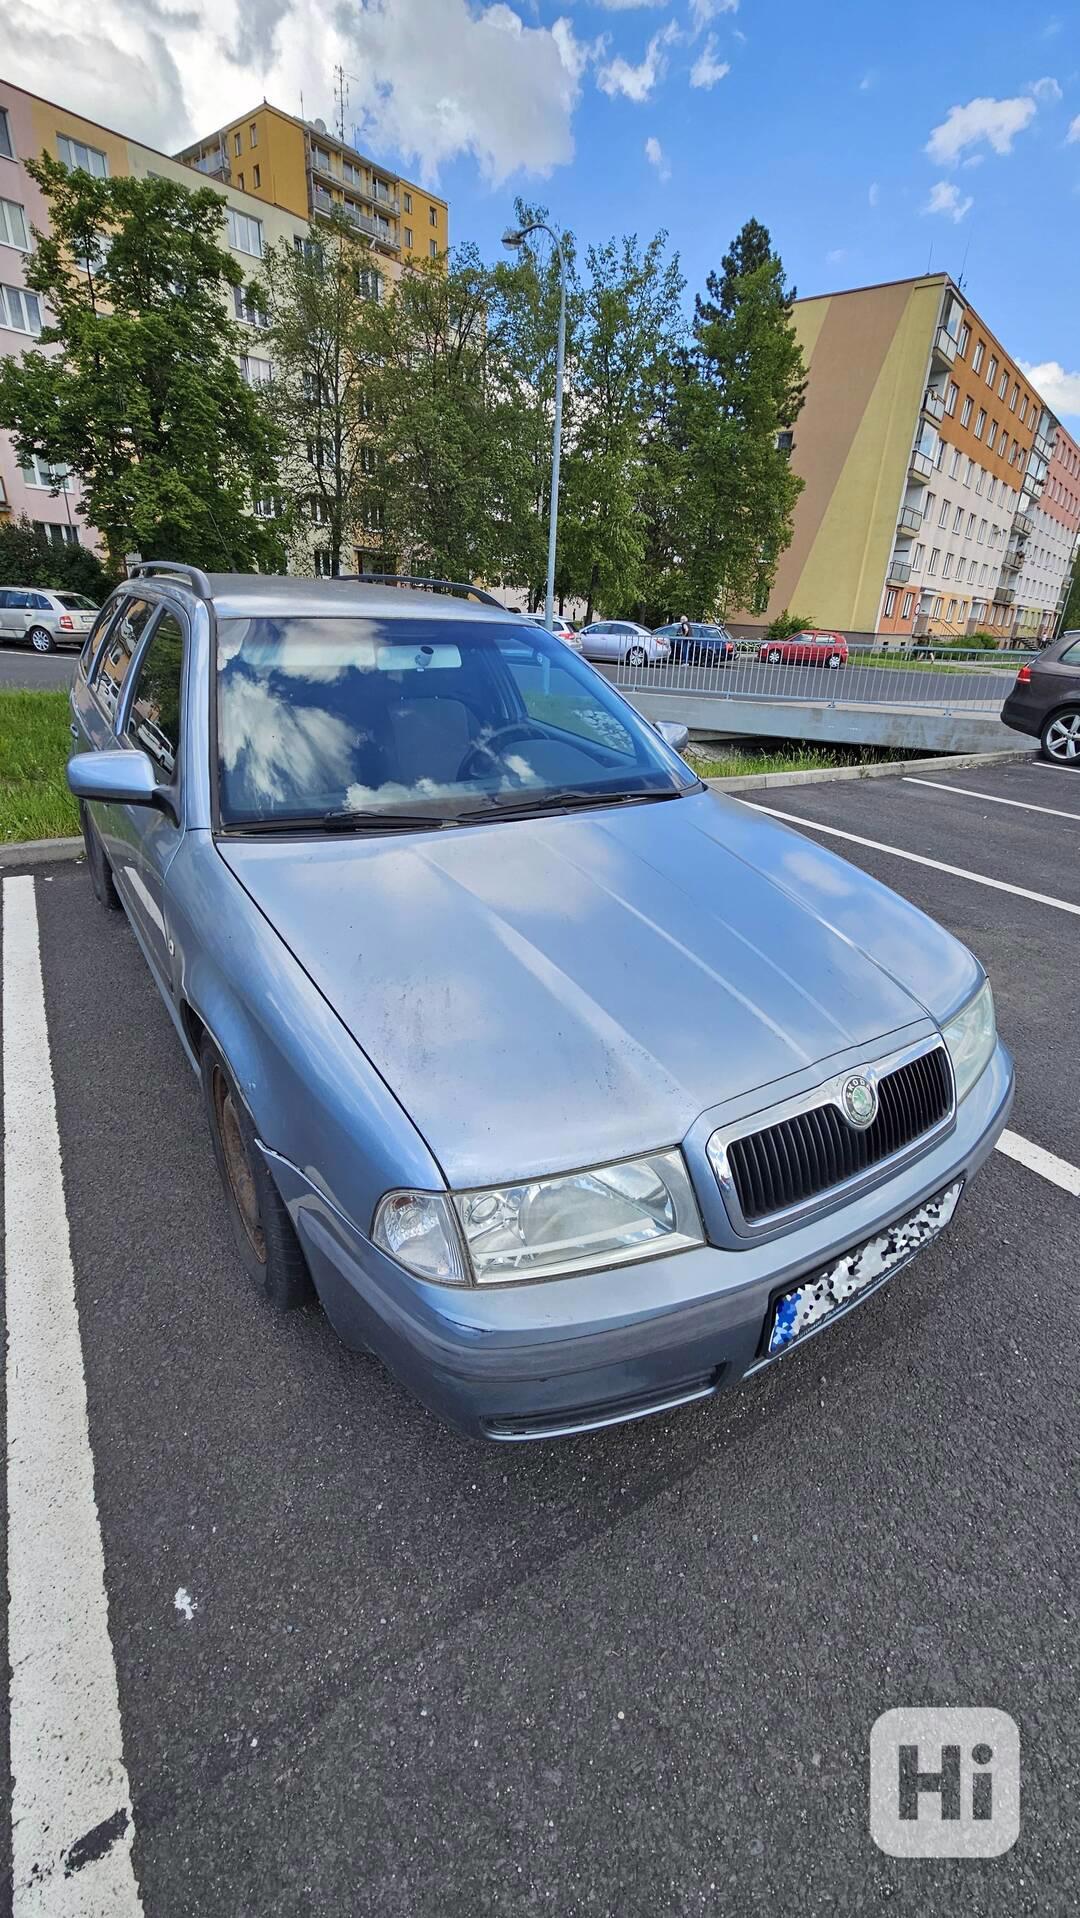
(570, 800)
(341, 821)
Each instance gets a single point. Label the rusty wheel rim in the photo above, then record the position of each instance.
(238, 1168)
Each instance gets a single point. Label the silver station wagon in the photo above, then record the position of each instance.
(573, 1089)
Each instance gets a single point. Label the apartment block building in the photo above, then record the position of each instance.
(301, 166)
(29, 126)
(941, 495)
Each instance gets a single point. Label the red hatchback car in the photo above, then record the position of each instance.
(806, 649)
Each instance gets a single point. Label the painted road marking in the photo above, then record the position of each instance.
(1046, 1164)
(72, 1824)
(918, 859)
(992, 799)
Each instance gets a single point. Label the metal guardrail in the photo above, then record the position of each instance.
(927, 675)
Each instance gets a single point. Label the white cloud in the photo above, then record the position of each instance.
(707, 69)
(656, 157)
(835, 254)
(435, 80)
(996, 121)
(626, 6)
(873, 193)
(1059, 389)
(945, 198)
(702, 11)
(1045, 91)
(637, 83)
(1074, 131)
(868, 81)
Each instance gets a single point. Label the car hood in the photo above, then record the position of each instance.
(574, 989)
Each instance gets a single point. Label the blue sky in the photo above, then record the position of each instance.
(871, 139)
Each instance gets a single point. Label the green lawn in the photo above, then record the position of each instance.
(786, 758)
(34, 747)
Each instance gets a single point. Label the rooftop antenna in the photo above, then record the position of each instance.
(930, 259)
(339, 75)
(963, 264)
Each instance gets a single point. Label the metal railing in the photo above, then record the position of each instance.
(937, 673)
(909, 520)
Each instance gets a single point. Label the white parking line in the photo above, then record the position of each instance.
(993, 799)
(71, 1802)
(918, 859)
(1046, 1164)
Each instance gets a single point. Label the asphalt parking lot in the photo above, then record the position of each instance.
(367, 1666)
(21, 667)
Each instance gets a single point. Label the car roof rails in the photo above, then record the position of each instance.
(174, 569)
(461, 588)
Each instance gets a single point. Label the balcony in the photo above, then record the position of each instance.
(1023, 525)
(933, 404)
(1014, 559)
(944, 347)
(1004, 595)
(909, 520)
(920, 467)
(899, 571)
(1042, 446)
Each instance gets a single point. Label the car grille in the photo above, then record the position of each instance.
(790, 1162)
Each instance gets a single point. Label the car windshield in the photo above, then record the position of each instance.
(75, 602)
(323, 718)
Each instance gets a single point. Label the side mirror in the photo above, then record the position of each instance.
(122, 778)
(673, 733)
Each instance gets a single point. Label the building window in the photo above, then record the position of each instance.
(408, 237)
(944, 514)
(256, 372)
(369, 284)
(351, 173)
(928, 505)
(962, 342)
(946, 571)
(978, 356)
(433, 249)
(1004, 386)
(13, 227)
(433, 216)
(20, 310)
(268, 507)
(1013, 397)
(240, 182)
(970, 526)
(1023, 409)
(935, 561)
(75, 154)
(969, 474)
(256, 177)
(50, 479)
(956, 458)
(965, 417)
(958, 520)
(248, 309)
(980, 482)
(319, 513)
(991, 491)
(7, 149)
(991, 436)
(890, 602)
(909, 601)
(951, 397)
(982, 532)
(982, 575)
(991, 370)
(245, 234)
(980, 422)
(406, 201)
(951, 614)
(960, 572)
(937, 609)
(253, 135)
(238, 143)
(917, 559)
(320, 158)
(321, 560)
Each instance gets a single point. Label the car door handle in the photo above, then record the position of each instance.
(73, 730)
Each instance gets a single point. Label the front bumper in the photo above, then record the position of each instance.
(559, 1356)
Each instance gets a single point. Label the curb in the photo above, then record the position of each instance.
(39, 852)
(886, 769)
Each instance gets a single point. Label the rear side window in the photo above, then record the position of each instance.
(40, 602)
(154, 716)
(97, 632)
(116, 654)
(1071, 655)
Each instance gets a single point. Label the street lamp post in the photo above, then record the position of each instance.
(516, 237)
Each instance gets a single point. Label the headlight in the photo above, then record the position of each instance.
(545, 1228)
(971, 1038)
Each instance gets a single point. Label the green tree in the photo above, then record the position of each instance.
(319, 299)
(743, 384)
(1070, 618)
(28, 558)
(143, 398)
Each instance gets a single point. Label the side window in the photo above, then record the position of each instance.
(154, 716)
(1071, 655)
(552, 694)
(96, 634)
(116, 655)
(40, 602)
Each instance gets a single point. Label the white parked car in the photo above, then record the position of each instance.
(623, 640)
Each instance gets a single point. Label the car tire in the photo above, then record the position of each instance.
(636, 656)
(262, 1230)
(774, 656)
(1059, 740)
(97, 865)
(41, 639)
(835, 660)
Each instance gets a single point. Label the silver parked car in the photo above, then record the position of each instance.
(44, 619)
(573, 1089)
(623, 640)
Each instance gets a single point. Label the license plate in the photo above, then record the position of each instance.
(798, 1312)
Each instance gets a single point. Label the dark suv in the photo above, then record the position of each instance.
(1045, 701)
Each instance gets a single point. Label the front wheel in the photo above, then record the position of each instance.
(262, 1230)
(41, 639)
(774, 656)
(1060, 740)
(97, 865)
(636, 656)
(836, 659)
